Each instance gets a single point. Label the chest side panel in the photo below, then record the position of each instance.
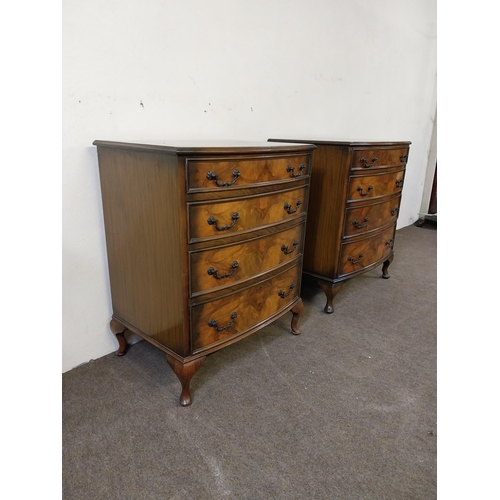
(329, 174)
(144, 237)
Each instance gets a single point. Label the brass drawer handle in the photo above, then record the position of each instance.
(399, 183)
(360, 189)
(358, 225)
(403, 158)
(214, 177)
(287, 251)
(214, 272)
(289, 169)
(368, 165)
(212, 323)
(353, 261)
(282, 294)
(390, 243)
(395, 211)
(288, 207)
(212, 221)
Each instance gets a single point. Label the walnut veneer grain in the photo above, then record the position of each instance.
(204, 241)
(356, 190)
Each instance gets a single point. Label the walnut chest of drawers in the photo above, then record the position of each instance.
(204, 242)
(356, 192)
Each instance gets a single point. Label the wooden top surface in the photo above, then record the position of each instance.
(343, 143)
(207, 146)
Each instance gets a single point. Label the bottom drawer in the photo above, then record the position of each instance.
(221, 319)
(357, 255)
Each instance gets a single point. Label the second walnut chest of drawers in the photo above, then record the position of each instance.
(204, 242)
(356, 192)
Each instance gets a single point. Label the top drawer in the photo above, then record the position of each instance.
(364, 159)
(213, 174)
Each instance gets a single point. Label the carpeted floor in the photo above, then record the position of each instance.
(347, 410)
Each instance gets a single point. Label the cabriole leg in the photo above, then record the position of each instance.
(185, 372)
(331, 291)
(296, 312)
(118, 329)
(385, 266)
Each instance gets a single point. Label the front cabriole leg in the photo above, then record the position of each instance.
(118, 329)
(296, 312)
(331, 291)
(385, 266)
(185, 372)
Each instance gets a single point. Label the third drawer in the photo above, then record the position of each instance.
(364, 219)
(225, 265)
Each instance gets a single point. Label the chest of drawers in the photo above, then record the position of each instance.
(204, 242)
(356, 192)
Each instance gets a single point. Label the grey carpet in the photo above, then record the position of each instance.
(346, 410)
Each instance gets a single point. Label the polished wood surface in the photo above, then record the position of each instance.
(181, 262)
(216, 220)
(368, 218)
(225, 265)
(358, 255)
(373, 159)
(231, 315)
(146, 250)
(366, 187)
(356, 190)
(237, 172)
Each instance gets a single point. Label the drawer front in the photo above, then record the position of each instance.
(374, 186)
(222, 319)
(367, 218)
(231, 264)
(215, 220)
(370, 159)
(224, 174)
(357, 255)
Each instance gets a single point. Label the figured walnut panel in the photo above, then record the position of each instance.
(374, 186)
(370, 159)
(232, 315)
(219, 219)
(358, 255)
(231, 264)
(366, 218)
(226, 174)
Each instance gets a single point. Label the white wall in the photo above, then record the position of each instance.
(220, 69)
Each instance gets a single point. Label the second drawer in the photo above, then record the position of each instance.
(214, 220)
(374, 186)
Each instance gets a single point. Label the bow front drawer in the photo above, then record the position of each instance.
(366, 218)
(233, 315)
(365, 159)
(374, 186)
(226, 265)
(227, 174)
(219, 219)
(356, 256)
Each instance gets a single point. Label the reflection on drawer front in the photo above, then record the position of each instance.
(370, 217)
(219, 174)
(212, 220)
(231, 264)
(358, 255)
(233, 315)
(374, 186)
(378, 158)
